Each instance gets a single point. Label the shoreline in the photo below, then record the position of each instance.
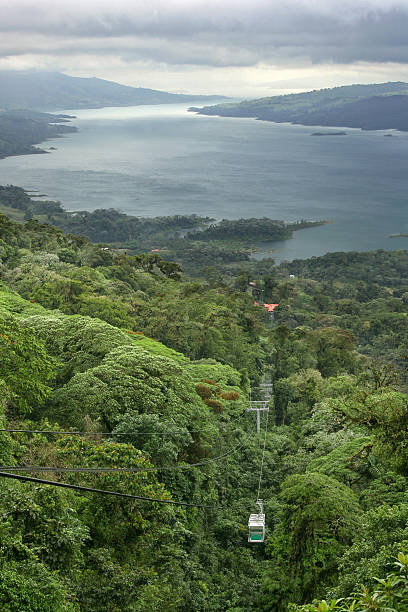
(198, 112)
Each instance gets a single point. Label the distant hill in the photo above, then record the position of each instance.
(370, 107)
(53, 90)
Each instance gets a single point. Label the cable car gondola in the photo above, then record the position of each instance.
(256, 525)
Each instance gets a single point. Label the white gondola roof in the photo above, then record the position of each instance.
(256, 520)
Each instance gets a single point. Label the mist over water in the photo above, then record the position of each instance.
(161, 160)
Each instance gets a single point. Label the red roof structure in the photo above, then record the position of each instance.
(270, 307)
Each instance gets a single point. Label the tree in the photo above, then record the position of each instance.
(30, 586)
(26, 367)
(133, 544)
(41, 538)
(334, 351)
(317, 522)
(381, 531)
(153, 435)
(128, 380)
(389, 594)
(77, 342)
(385, 415)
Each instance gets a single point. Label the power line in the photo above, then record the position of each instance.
(105, 492)
(100, 433)
(263, 456)
(111, 433)
(40, 468)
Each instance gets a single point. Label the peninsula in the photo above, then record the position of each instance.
(370, 107)
(193, 241)
(21, 130)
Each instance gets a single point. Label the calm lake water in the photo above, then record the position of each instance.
(162, 160)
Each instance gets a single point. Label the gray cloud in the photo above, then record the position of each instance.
(193, 32)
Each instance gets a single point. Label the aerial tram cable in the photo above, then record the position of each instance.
(102, 433)
(102, 491)
(263, 456)
(256, 522)
(256, 532)
(41, 468)
(111, 433)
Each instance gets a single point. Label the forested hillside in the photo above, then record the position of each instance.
(155, 368)
(197, 242)
(370, 107)
(20, 130)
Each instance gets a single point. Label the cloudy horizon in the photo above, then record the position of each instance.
(226, 47)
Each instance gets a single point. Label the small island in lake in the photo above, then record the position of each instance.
(329, 134)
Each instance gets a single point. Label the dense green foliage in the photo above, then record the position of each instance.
(195, 242)
(251, 229)
(389, 594)
(105, 342)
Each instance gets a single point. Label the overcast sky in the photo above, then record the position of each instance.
(245, 48)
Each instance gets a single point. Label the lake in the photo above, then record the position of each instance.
(162, 160)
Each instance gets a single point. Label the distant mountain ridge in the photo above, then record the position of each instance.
(53, 90)
(370, 107)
